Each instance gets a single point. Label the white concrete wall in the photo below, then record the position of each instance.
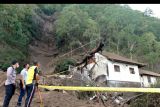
(145, 80)
(99, 69)
(123, 75)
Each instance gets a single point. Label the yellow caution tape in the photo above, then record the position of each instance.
(107, 89)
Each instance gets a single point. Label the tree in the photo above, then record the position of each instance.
(148, 12)
(148, 49)
(15, 32)
(74, 24)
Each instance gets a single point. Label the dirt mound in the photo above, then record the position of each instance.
(60, 99)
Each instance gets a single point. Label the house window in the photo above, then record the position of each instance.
(149, 79)
(132, 70)
(116, 68)
(107, 69)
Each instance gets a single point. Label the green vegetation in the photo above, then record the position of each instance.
(15, 32)
(63, 65)
(125, 31)
(146, 100)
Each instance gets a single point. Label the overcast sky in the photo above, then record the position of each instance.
(141, 7)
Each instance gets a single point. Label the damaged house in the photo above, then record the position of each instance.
(118, 71)
(148, 78)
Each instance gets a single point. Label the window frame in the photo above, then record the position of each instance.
(149, 79)
(116, 68)
(130, 69)
(107, 70)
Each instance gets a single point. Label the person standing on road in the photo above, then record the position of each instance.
(31, 82)
(10, 83)
(23, 84)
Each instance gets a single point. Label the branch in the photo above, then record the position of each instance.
(87, 57)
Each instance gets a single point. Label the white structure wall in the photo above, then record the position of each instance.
(124, 74)
(105, 67)
(100, 68)
(145, 82)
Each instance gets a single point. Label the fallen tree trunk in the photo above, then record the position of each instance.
(90, 55)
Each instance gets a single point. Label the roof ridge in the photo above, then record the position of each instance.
(120, 58)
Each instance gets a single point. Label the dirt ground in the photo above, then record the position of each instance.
(50, 98)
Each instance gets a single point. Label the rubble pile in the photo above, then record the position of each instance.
(105, 99)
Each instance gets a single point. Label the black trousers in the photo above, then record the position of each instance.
(10, 90)
(30, 93)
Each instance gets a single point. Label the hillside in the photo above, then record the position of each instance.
(54, 33)
(59, 28)
(45, 47)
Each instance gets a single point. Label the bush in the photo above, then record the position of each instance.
(147, 100)
(63, 66)
(4, 66)
(8, 54)
(47, 9)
